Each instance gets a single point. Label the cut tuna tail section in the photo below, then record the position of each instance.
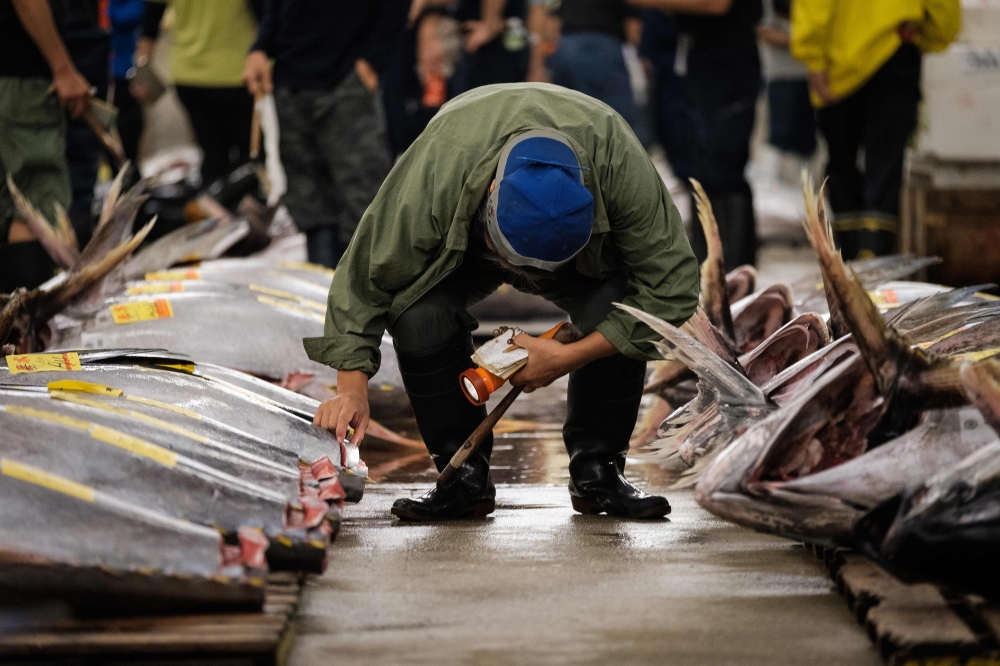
(714, 295)
(702, 330)
(108, 207)
(740, 282)
(888, 355)
(61, 253)
(732, 383)
(981, 382)
(9, 313)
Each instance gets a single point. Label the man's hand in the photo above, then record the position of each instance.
(820, 83)
(549, 360)
(257, 74)
(367, 74)
(349, 409)
(481, 33)
(73, 91)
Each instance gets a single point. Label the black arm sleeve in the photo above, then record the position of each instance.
(152, 16)
(267, 20)
(389, 24)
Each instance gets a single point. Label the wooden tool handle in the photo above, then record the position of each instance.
(477, 436)
(255, 129)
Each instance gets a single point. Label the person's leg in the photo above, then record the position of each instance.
(199, 104)
(890, 118)
(33, 154)
(721, 90)
(792, 121)
(130, 120)
(307, 198)
(603, 405)
(433, 344)
(842, 125)
(353, 144)
(231, 120)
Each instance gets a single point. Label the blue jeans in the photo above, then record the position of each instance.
(592, 63)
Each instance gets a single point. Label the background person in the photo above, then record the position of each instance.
(33, 59)
(327, 60)
(864, 63)
(126, 26)
(210, 43)
(716, 74)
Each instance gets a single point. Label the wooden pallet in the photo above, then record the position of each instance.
(257, 639)
(915, 624)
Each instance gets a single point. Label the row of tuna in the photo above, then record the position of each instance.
(137, 478)
(855, 411)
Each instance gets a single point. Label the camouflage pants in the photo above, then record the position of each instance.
(335, 153)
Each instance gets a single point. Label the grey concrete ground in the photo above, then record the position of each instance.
(538, 584)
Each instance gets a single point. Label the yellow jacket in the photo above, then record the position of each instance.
(851, 39)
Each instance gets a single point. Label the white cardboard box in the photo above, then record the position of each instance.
(961, 112)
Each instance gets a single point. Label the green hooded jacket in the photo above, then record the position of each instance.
(416, 231)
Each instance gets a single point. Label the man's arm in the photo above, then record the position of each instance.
(72, 89)
(257, 70)
(549, 360)
(711, 7)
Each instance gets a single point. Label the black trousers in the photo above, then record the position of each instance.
(876, 122)
(130, 120)
(605, 391)
(710, 111)
(221, 120)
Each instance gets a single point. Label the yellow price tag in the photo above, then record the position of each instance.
(130, 313)
(24, 363)
(156, 288)
(978, 355)
(173, 276)
(886, 298)
(40, 477)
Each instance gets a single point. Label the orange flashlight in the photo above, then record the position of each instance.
(478, 383)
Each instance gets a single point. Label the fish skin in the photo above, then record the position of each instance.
(231, 410)
(75, 540)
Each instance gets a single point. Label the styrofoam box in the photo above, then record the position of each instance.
(961, 114)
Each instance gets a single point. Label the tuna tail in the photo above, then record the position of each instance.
(115, 223)
(888, 355)
(90, 277)
(714, 295)
(64, 255)
(921, 310)
(731, 383)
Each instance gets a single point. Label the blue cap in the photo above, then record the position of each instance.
(540, 213)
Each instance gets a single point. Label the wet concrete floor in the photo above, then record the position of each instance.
(538, 584)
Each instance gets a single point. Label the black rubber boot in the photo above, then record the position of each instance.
(446, 419)
(603, 405)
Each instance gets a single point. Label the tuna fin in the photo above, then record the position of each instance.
(113, 231)
(904, 317)
(702, 330)
(731, 383)
(64, 227)
(714, 296)
(61, 253)
(108, 208)
(91, 275)
(887, 354)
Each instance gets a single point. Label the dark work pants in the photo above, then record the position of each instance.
(130, 120)
(792, 120)
(492, 63)
(221, 120)
(715, 112)
(877, 121)
(442, 314)
(336, 155)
